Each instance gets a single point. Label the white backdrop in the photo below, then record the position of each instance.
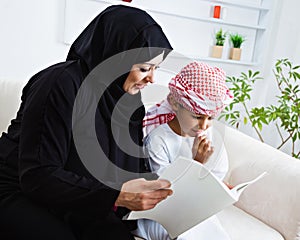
(33, 37)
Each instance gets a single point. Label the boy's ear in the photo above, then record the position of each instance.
(174, 104)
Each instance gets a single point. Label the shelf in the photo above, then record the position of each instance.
(219, 60)
(225, 2)
(210, 20)
(237, 4)
(255, 25)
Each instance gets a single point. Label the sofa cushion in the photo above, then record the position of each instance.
(240, 225)
(274, 199)
(10, 99)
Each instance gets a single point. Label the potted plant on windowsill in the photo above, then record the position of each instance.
(217, 49)
(236, 41)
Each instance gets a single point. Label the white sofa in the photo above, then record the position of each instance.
(270, 208)
(267, 210)
(9, 101)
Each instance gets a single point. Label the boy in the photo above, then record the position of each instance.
(181, 125)
(197, 95)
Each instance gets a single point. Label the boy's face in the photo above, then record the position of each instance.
(191, 124)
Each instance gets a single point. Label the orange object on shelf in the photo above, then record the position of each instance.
(217, 11)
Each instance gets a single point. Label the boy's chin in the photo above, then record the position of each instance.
(192, 134)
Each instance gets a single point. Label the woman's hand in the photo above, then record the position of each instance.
(202, 149)
(140, 194)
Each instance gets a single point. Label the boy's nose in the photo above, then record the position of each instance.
(203, 124)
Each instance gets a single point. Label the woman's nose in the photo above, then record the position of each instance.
(150, 76)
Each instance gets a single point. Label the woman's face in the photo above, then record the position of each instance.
(141, 74)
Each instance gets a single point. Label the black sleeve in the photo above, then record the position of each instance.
(45, 140)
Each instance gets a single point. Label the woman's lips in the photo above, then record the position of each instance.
(140, 86)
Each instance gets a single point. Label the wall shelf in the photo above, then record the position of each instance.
(202, 19)
(191, 28)
(210, 59)
(219, 60)
(209, 20)
(238, 4)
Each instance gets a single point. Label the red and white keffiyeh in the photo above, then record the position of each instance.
(199, 88)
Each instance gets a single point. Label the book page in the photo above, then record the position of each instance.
(238, 189)
(197, 195)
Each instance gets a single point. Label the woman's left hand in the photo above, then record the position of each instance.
(140, 194)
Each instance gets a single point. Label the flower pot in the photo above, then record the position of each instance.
(217, 51)
(235, 53)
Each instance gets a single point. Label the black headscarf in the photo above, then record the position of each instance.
(115, 30)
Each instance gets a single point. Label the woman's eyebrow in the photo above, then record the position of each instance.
(149, 64)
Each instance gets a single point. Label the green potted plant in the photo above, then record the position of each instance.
(236, 41)
(282, 117)
(220, 38)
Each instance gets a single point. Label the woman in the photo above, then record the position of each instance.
(45, 190)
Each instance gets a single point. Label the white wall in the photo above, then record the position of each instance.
(32, 38)
(31, 33)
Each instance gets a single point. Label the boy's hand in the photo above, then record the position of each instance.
(202, 149)
(228, 185)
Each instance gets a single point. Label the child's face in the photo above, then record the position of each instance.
(192, 124)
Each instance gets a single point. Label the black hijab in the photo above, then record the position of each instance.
(115, 30)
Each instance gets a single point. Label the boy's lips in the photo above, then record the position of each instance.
(199, 132)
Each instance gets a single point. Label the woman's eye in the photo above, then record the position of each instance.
(147, 69)
(144, 69)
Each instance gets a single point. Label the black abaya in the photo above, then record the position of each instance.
(43, 182)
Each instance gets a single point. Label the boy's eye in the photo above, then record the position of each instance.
(202, 117)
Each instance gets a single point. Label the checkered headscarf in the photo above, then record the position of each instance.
(199, 88)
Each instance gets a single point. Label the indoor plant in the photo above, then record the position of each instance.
(220, 38)
(236, 41)
(284, 115)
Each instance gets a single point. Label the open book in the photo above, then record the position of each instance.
(197, 195)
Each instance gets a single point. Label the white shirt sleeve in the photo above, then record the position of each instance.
(157, 152)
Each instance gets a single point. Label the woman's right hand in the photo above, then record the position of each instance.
(140, 194)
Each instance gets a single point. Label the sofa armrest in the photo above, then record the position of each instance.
(274, 199)
(10, 99)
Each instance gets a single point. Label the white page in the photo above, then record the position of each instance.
(197, 195)
(238, 189)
